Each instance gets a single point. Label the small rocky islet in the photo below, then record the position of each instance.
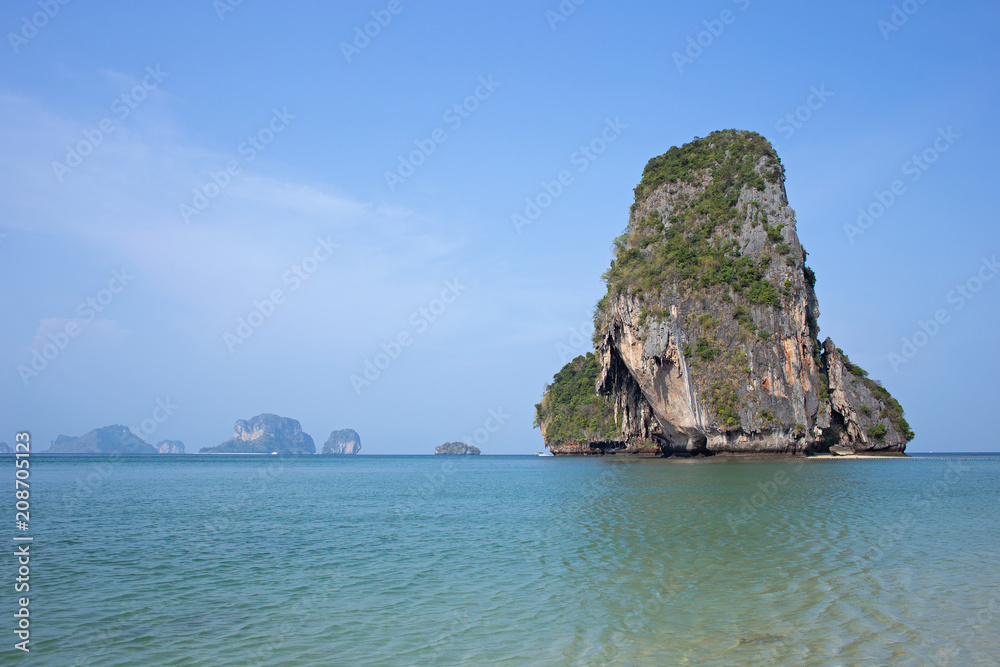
(457, 449)
(707, 339)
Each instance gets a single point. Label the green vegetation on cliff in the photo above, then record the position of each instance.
(891, 409)
(731, 154)
(694, 247)
(709, 302)
(571, 410)
(686, 254)
(689, 251)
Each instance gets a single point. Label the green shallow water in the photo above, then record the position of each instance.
(198, 560)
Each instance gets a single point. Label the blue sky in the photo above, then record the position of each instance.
(279, 139)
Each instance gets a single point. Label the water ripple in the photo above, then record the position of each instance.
(518, 561)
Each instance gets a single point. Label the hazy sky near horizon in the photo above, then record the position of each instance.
(172, 170)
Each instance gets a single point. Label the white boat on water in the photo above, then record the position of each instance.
(544, 454)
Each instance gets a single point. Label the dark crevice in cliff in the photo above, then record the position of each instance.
(632, 411)
(832, 434)
(697, 445)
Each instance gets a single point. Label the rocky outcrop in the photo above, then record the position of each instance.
(343, 442)
(115, 439)
(170, 447)
(707, 337)
(266, 434)
(5, 448)
(866, 418)
(575, 421)
(457, 448)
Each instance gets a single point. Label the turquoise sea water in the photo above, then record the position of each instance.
(196, 560)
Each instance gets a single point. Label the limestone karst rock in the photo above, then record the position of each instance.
(266, 434)
(706, 341)
(170, 447)
(343, 442)
(114, 439)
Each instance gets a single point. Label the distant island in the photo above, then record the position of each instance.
(707, 339)
(5, 448)
(457, 449)
(342, 443)
(170, 447)
(114, 439)
(266, 434)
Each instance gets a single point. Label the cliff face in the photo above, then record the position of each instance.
(265, 434)
(115, 439)
(866, 418)
(170, 447)
(707, 337)
(344, 441)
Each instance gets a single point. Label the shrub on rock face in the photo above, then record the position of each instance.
(878, 431)
(571, 410)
